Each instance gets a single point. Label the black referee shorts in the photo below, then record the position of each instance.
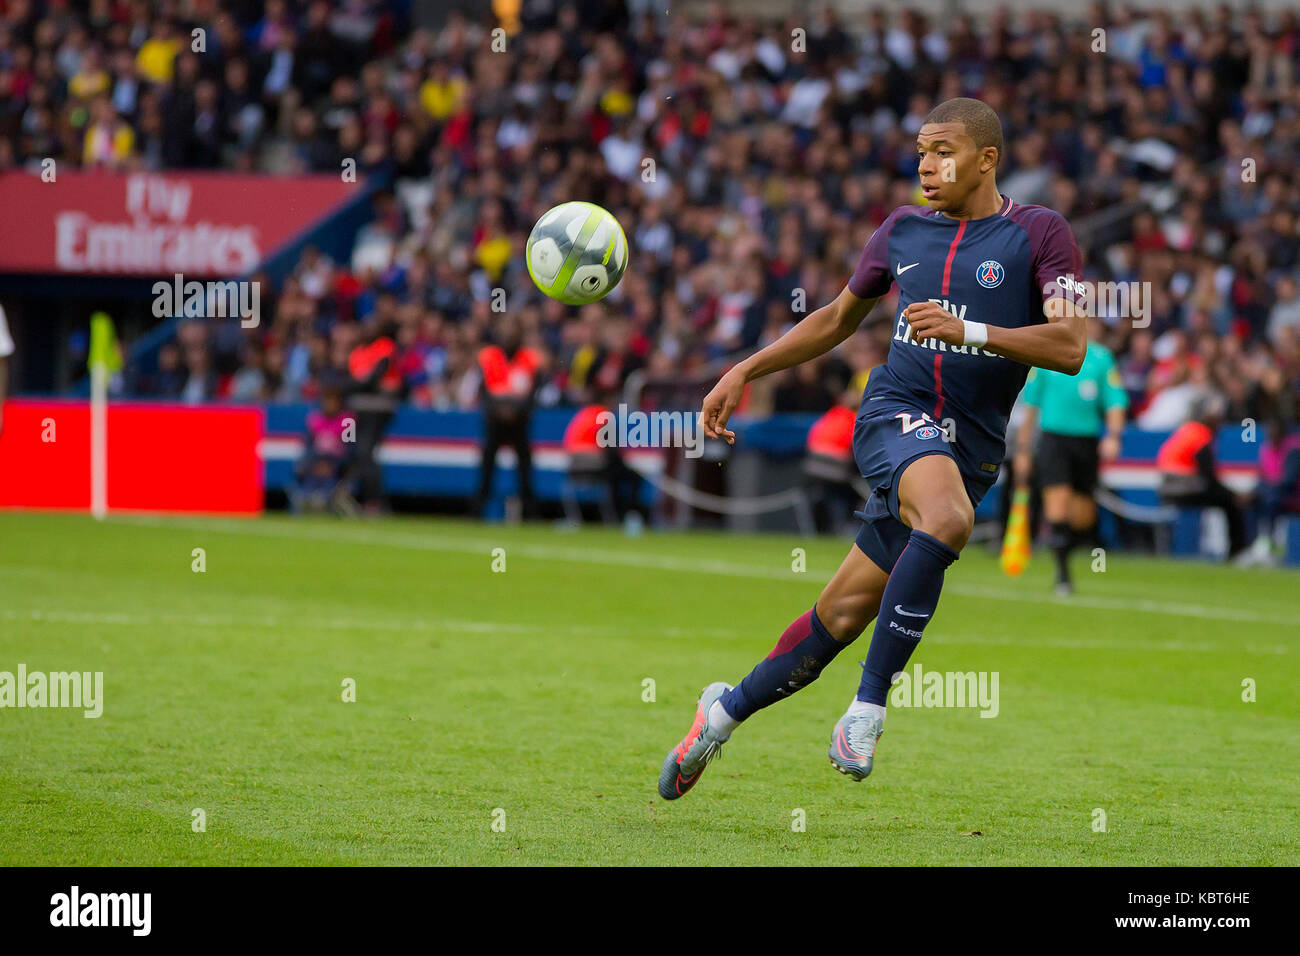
(1067, 460)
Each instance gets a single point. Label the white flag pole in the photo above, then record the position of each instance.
(98, 440)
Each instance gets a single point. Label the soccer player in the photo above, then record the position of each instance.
(1081, 419)
(987, 288)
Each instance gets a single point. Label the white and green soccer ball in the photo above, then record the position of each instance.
(577, 253)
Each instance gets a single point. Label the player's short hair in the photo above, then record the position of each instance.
(980, 119)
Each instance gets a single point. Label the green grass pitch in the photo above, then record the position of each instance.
(515, 697)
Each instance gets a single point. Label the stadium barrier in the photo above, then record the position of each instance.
(170, 457)
(162, 458)
(436, 454)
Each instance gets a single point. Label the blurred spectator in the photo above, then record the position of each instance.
(593, 463)
(1284, 318)
(156, 56)
(249, 383)
(109, 141)
(200, 377)
(771, 167)
(1188, 469)
(829, 463)
(1279, 482)
(376, 391)
(805, 390)
(326, 457)
(509, 380)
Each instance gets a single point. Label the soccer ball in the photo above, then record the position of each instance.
(577, 253)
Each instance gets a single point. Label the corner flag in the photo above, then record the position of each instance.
(104, 359)
(1016, 544)
(104, 351)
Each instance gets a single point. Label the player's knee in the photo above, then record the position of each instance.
(846, 616)
(950, 520)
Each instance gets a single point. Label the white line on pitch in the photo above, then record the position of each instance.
(231, 622)
(294, 621)
(640, 559)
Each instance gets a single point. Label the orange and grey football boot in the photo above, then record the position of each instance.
(685, 763)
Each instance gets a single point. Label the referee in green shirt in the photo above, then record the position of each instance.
(1081, 418)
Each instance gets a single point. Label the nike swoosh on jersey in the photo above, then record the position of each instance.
(902, 268)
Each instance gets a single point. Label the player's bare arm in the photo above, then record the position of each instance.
(816, 335)
(1058, 344)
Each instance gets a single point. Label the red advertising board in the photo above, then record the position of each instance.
(161, 458)
(155, 224)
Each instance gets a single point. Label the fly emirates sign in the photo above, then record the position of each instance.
(147, 224)
(155, 234)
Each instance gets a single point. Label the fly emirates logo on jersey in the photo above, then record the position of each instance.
(903, 333)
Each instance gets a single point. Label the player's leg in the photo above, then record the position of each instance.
(1084, 467)
(487, 464)
(1221, 497)
(1083, 517)
(1068, 466)
(519, 440)
(1058, 504)
(934, 504)
(846, 606)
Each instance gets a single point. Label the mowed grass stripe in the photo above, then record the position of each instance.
(531, 701)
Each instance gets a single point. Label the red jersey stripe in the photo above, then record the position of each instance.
(947, 273)
(952, 251)
(938, 385)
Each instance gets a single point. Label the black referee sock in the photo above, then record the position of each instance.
(1085, 538)
(1059, 539)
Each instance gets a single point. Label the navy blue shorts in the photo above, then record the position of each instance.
(885, 442)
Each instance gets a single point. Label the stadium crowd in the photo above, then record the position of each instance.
(748, 161)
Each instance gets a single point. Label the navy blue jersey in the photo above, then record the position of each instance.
(998, 270)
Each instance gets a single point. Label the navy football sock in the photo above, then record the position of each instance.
(796, 661)
(906, 607)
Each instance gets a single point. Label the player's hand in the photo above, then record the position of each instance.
(720, 403)
(929, 321)
(1108, 448)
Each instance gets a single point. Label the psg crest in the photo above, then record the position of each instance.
(990, 273)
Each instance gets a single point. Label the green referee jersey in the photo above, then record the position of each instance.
(1077, 404)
